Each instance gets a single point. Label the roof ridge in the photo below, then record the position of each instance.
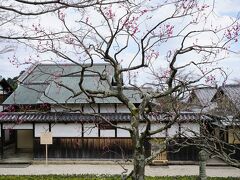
(230, 85)
(205, 87)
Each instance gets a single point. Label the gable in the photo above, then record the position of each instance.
(228, 98)
(233, 95)
(201, 99)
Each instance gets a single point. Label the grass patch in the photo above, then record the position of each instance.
(102, 177)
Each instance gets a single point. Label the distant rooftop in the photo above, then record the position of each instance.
(205, 95)
(232, 91)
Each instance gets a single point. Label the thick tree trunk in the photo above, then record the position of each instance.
(139, 152)
(139, 164)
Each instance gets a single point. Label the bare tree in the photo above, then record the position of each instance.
(33, 8)
(132, 38)
(5, 19)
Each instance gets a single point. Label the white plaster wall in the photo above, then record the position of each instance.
(107, 108)
(157, 126)
(122, 132)
(93, 108)
(90, 130)
(41, 128)
(17, 126)
(142, 127)
(125, 133)
(190, 129)
(104, 108)
(57, 108)
(121, 108)
(173, 130)
(66, 130)
(107, 133)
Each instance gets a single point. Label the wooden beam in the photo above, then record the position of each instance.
(2, 141)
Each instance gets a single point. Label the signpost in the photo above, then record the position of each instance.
(46, 138)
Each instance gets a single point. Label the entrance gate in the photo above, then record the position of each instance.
(16, 145)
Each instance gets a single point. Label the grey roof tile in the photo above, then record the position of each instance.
(42, 73)
(233, 93)
(26, 94)
(205, 95)
(16, 117)
(56, 93)
(59, 83)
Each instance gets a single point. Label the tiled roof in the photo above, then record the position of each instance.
(43, 73)
(59, 83)
(223, 121)
(26, 94)
(53, 94)
(15, 117)
(57, 117)
(25, 74)
(205, 95)
(233, 93)
(183, 117)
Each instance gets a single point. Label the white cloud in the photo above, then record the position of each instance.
(230, 7)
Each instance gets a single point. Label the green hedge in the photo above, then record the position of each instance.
(93, 177)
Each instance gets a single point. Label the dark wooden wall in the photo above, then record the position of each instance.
(85, 148)
(233, 151)
(1, 147)
(179, 152)
(2, 98)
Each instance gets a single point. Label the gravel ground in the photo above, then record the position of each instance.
(173, 170)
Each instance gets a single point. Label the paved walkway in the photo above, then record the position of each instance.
(174, 170)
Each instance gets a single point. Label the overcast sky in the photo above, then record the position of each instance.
(224, 8)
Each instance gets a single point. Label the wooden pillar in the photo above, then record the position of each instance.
(49, 127)
(99, 130)
(2, 141)
(47, 148)
(16, 140)
(99, 108)
(82, 141)
(33, 140)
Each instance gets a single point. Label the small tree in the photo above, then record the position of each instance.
(133, 37)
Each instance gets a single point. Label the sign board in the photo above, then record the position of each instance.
(46, 138)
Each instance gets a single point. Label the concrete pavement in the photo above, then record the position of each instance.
(171, 170)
